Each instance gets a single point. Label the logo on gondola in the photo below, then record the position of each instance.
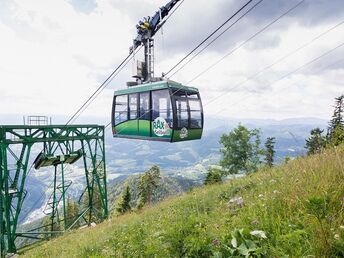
(160, 127)
(183, 133)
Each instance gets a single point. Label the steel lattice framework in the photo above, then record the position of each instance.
(58, 143)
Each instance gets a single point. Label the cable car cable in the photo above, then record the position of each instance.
(246, 41)
(206, 39)
(216, 38)
(286, 75)
(288, 55)
(96, 94)
(100, 88)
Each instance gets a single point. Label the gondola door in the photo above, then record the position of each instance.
(144, 115)
(133, 114)
(182, 113)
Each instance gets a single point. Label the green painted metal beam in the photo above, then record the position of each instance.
(58, 141)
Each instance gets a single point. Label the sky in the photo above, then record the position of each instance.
(55, 53)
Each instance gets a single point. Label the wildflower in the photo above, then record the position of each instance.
(261, 196)
(258, 233)
(336, 236)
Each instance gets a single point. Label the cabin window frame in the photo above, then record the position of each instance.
(114, 110)
(174, 99)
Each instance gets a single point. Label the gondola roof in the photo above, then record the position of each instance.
(155, 86)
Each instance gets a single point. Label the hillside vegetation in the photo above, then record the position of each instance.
(295, 210)
(168, 186)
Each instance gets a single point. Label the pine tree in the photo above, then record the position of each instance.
(148, 184)
(270, 151)
(123, 205)
(335, 132)
(316, 142)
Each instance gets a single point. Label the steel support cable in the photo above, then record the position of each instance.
(284, 76)
(245, 96)
(212, 34)
(98, 89)
(287, 55)
(291, 53)
(216, 38)
(246, 41)
(174, 10)
(107, 81)
(85, 106)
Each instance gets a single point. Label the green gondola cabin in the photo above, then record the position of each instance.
(162, 111)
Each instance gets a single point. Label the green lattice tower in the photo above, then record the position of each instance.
(16, 144)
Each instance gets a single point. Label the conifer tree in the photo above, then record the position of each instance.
(148, 184)
(316, 142)
(335, 132)
(270, 151)
(123, 205)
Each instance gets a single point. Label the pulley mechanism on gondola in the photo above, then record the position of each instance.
(155, 108)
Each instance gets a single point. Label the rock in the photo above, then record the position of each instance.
(236, 202)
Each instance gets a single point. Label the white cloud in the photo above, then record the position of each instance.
(53, 58)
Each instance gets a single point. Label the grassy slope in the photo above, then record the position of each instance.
(275, 202)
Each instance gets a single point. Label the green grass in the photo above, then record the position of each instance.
(300, 207)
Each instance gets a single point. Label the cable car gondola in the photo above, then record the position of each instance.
(155, 108)
(163, 111)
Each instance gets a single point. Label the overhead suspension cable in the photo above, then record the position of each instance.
(246, 41)
(212, 34)
(291, 53)
(96, 94)
(286, 75)
(99, 89)
(217, 37)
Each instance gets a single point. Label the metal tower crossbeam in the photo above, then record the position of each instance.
(16, 142)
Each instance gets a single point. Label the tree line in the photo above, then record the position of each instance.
(242, 152)
(318, 140)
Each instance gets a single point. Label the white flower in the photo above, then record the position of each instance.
(258, 233)
(336, 236)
